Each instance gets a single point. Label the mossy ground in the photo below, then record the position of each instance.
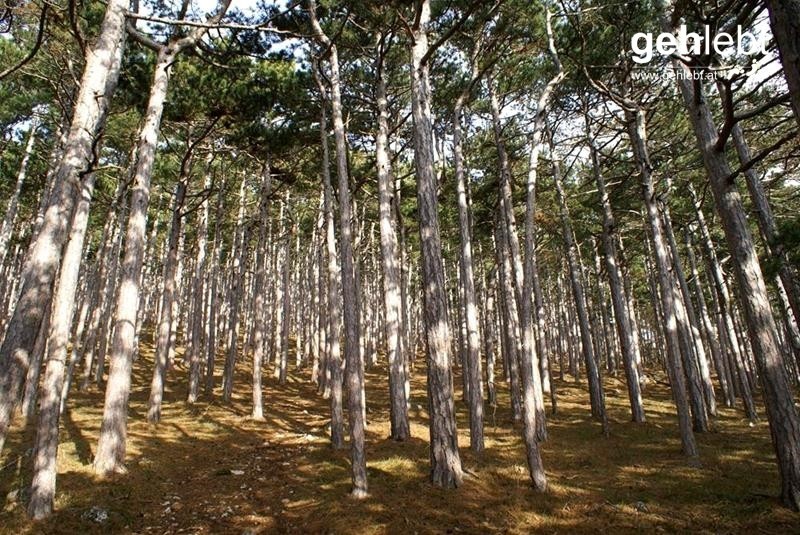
(179, 476)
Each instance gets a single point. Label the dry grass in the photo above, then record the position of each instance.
(179, 476)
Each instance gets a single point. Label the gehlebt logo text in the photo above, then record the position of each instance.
(683, 42)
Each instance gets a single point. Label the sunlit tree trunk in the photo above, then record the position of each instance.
(784, 17)
(390, 258)
(259, 289)
(726, 318)
(97, 84)
(333, 368)
(10, 218)
(43, 485)
(236, 293)
(618, 298)
(165, 321)
(669, 295)
(781, 412)
(446, 470)
(199, 291)
(213, 297)
(576, 279)
(110, 456)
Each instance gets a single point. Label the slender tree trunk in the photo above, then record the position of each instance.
(236, 293)
(533, 414)
(111, 446)
(259, 297)
(97, 84)
(618, 300)
(43, 485)
(711, 337)
(446, 470)
(726, 318)
(784, 18)
(669, 295)
(333, 369)
(10, 218)
(472, 366)
(781, 412)
(695, 364)
(576, 279)
(390, 257)
(199, 291)
(169, 297)
(213, 298)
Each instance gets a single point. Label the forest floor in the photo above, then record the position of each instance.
(210, 469)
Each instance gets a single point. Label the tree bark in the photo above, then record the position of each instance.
(97, 85)
(43, 485)
(390, 262)
(784, 18)
(576, 279)
(259, 297)
(111, 446)
(446, 470)
(10, 218)
(618, 299)
(781, 412)
(169, 297)
(638, 137)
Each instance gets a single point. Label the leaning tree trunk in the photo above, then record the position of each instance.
(781, 412)
(533, 414)
(10, 218)
(784, 18)
(723, 299)
(110, 455)
(351, 316)
(638, 137)
(43, 485)
(618, 298)
(576, 279)
(97, 84)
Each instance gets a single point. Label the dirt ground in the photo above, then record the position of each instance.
(210, 469)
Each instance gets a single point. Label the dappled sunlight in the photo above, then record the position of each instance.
(210, 468)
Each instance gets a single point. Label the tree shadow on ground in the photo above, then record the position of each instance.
(209, 468)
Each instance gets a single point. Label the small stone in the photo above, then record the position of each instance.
(237, 472)
(96, 514)
(641, 507)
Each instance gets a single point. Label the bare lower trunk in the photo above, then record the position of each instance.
(390, 258)
(781, 412)
(111, 446)
(472, 366)
(199, 291)
(638, 137)
(625, 333)
(576, 279)
(259, 297)
(723, 299)
(169, 297)
(784, 17)
(97, 84)
(43, 485)
(10, 218)
(446, 470)
(533, 414)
